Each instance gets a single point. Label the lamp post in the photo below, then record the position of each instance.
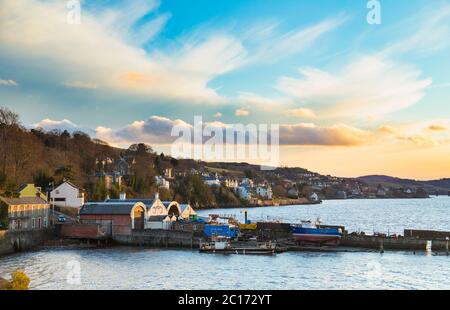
(52, 201)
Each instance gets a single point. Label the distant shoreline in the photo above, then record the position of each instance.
(304, 201)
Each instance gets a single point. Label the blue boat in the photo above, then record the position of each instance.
(310, 232)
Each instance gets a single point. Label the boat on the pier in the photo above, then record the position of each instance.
(224, 246)
(312, 232)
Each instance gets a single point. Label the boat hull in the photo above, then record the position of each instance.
(316, 235)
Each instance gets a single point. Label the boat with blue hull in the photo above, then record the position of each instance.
(310, 232)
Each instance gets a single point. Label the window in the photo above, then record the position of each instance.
(33, 223)
(60, 199)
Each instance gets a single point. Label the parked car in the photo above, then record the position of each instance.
(61, 218)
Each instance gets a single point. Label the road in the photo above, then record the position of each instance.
(69, 220)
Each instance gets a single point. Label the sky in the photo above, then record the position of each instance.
(350, 98)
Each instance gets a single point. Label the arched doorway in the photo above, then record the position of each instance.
(138, 218)
(173, 211)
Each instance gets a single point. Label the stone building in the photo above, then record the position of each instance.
(26, 213)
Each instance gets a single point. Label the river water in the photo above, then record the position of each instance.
(141, 268)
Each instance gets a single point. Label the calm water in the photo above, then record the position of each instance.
(390, 215)
(139, 268)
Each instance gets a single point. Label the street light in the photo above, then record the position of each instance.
(52, 201)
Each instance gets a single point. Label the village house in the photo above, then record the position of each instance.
(244, 192)
(25, 213)
(230, 183)
(30, 190)
(247, 182)
(314, 197)
(67, 195)
(110, 179)
(264, 191)
(211, 180)
(161, 182)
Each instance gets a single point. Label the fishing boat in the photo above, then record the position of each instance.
(312, 232)
(223, 246)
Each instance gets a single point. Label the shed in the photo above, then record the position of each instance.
(115, 217)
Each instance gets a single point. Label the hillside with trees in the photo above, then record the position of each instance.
(40, 157)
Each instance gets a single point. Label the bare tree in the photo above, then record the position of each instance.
(9, 125)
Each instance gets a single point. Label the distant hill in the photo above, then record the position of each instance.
(441, 185)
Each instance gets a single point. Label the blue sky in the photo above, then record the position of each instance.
(302, 64)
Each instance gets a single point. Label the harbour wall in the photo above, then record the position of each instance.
(160, 238)
(401, 243)
(16, 241)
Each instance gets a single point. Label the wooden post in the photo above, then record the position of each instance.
(446, 246)
(381, 247)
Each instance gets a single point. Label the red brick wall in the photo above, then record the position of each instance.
(121, 223)
(80, 231)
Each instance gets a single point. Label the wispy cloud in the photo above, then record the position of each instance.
(271, 45)
(79, 84)
(241, 112)
(301, 113)
(420, 133)
(428, 32)
(8, 83)
(368, 86)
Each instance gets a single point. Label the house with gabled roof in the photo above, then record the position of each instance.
(67, 195)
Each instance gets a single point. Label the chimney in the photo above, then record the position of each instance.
(156, 196)
(123, 196)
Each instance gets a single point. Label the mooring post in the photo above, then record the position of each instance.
(446, 246)
(381, 246)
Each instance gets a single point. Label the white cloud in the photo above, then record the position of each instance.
(49, 125)
(79, 84)
(429, 33)
(369, 86)
(99, 50)
(311, 134)
(241, 112)
(423, 133)
(302, 113)
(218, 115)
(8, 83)
(157, 130)
(106, 48)
(273, 46)
(264, 103)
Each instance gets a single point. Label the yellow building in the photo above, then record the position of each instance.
(30, 190)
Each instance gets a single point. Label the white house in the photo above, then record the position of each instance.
(162, 182)
(211, 181)
(230, 183)
(67, 195)
(244, 192)
(247, 182)
(314, 197)
(264, 191)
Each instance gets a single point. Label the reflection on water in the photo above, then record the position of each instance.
(134, 268)
(140, 268)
